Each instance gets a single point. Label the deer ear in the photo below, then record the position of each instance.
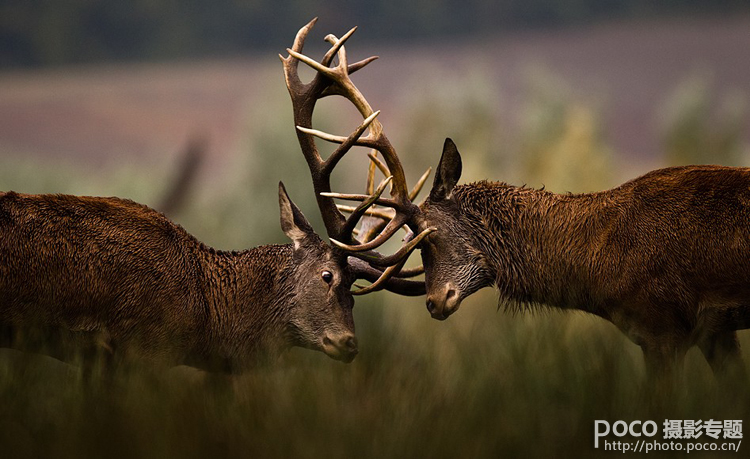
(448, 173)
(293, 223)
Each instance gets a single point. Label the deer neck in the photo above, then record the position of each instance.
(540, 245)
(245, 293)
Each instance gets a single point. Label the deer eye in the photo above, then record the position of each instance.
(327, 276)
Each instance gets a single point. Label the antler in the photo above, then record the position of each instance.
(335, 80)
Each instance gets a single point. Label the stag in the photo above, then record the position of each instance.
(109, 279)
(664, 257)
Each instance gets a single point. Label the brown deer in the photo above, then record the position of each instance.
(665, 257)
(107, 279)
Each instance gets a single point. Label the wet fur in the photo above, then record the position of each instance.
(665, 257)
(83, 276)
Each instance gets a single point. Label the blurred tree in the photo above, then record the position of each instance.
(696, 132)
(468, 113)
(243, 211)
(562, 145)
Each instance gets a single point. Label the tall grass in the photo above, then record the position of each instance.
(485, 383)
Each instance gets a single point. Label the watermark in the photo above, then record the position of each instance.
(686, 435)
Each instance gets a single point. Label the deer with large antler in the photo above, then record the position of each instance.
(106, 279)
(90, 279)
(665, 257)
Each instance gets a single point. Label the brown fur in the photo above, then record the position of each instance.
(665, 257)
(110, 276)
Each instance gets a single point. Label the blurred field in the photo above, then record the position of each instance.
(134, 112)
(486, 382)
(480, 385)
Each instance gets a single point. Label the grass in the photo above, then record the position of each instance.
(483, 383)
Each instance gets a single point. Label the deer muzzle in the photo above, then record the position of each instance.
(341, 347)
(443, 303)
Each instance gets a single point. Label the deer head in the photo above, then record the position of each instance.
(321, 312)
(455, 267)
(453, 270)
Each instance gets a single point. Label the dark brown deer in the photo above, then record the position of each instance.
(82, 277)
(665, 257)
(113, 278)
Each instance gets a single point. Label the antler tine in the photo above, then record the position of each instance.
(304, 97)
(411, 272)
(337, 43)
(372, 226)
(373, 218)
(360, 197)
(299, 39)
(394, 284)
(357, 140)
(291, 74)
(370, 185)
(420, 183)
(379, 284)
(377, 259)
(350, 141)
(353, 219)
(361, 64)
(379, 164)
(379, 213)
(390, 229)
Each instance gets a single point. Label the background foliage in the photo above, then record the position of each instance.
(53, 32)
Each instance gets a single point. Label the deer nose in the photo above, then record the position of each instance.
(443, 303)
(351, 343)
(341, 347)
(435, 308)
